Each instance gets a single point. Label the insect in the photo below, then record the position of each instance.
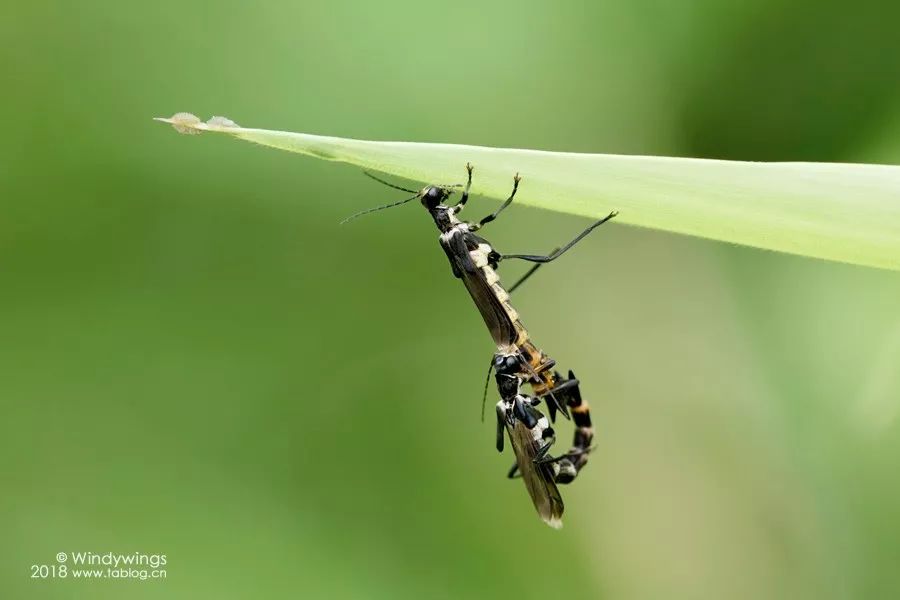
(531, 438)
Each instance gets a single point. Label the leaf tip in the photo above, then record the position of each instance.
(191, 124)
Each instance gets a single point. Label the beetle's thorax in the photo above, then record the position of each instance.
(444, 218)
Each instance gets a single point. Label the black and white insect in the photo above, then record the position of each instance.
(531, 437)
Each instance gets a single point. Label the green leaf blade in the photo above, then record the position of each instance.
(836, 211)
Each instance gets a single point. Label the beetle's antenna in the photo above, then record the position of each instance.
(377, 208)
(382, 181)
(487, 381)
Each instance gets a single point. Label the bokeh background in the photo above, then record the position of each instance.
(196, 360)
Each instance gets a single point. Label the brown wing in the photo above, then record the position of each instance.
(492, 310)
(538, 479)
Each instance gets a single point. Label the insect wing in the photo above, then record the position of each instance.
(497, 319)
(537, 477)
(492, 310)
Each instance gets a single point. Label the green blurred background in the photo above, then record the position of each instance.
(198, 361)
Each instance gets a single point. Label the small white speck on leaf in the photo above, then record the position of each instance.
(221, 122)
(182, 123)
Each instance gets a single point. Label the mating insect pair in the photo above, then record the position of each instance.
(517, 360)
